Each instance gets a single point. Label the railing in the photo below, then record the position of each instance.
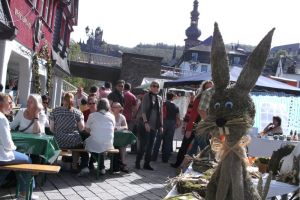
(176, 72)
(98, 59)
(68, 87)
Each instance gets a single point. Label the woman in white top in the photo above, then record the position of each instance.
(121, 124)
(8, 155)
(31, 119)
(101, 126)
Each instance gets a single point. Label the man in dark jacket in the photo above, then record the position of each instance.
(171, 121)
(150, 125)
(117, 95)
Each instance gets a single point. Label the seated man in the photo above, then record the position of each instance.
(8, 155)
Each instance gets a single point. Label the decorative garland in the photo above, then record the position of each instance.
(43, 54)
(35, 74)
(49, 75)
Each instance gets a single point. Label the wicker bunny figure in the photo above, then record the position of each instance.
(230, 115)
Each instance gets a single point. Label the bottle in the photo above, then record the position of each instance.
(291, 133)
(295, 135)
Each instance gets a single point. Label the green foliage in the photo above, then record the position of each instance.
(83, 82)
(159, 49)
(75, 51)
(35, 74)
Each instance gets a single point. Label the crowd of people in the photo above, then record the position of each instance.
(90, 123)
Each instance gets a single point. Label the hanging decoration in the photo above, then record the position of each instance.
(35, 74)
(49, 75)
(43, 54)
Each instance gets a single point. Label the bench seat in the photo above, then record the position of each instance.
(31, 168)
(110, 153)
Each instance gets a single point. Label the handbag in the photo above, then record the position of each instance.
(24, 129)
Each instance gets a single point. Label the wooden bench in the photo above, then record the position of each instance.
(110, 154)
(32, 168)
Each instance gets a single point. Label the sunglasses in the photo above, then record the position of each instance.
(120, 86)
(155, 86)
(91, 103)
(45, 102)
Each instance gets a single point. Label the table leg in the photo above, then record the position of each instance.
(111, 169)
(284, 197)
(98, 165)
(29, 187)
(44, 175)
(17, 189)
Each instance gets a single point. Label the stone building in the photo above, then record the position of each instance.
(136, 66)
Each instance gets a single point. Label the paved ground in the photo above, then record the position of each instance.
(139, 184)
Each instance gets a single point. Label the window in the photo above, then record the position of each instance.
(49, 20)
(236, 60)
(194, 57)
(204, 68)
(33, 3)
(46, 9)
(41, 5)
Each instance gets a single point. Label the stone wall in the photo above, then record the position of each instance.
(136, 66)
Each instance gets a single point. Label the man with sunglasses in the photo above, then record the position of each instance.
(150, 125)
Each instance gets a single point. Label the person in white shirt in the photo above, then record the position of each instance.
(101, 126)
(121, 124)
(31, 119)
(8, 153)
(78, 97)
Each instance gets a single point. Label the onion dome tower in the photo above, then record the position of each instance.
(193, 32)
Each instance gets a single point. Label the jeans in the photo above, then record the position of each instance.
(167, 138)
(22, 177)
(200, 141)
(146, 145)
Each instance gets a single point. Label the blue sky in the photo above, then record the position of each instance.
(129, 22)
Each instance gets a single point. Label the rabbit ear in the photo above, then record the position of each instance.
(219, 61)
(255, 64)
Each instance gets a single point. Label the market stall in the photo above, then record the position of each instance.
(276, 188)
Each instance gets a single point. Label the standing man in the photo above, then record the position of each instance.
(130, 104)
(117, 95)
(152, 124)
(78, 97)
(171, 121)
(130, 108)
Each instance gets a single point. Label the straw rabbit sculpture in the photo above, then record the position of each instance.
(230, 115)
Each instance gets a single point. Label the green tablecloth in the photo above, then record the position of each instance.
(124, 138)
(44, 146)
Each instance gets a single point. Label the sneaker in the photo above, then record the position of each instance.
(148, 167)
(124, 169)
(33, 197)
(84, 172)
(102, 171)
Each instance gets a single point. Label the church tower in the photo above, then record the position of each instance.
(193, 32)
